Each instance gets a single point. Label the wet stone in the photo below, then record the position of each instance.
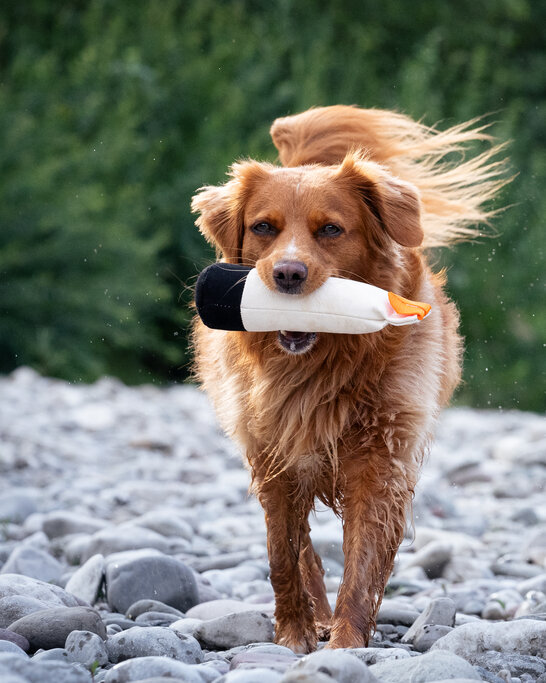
(86, 648)
(50, 627)
(159, 577)
(153, 641)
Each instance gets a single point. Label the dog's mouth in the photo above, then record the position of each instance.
(296, 342)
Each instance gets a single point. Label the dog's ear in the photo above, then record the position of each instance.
(393, 202)
(219, 220)
(221, 208)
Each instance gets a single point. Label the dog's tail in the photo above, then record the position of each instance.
(455, 191)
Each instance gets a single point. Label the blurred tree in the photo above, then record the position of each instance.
(112, 113)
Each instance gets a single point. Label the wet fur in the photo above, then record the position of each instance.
(347, 422)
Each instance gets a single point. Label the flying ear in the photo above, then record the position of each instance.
(219, 221)
(393, 202)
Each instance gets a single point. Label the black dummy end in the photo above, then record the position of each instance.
(218, 294)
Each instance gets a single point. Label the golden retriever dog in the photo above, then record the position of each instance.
(345, 419)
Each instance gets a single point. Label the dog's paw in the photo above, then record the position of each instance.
(323, 630)
(300, 643)
(346, 636)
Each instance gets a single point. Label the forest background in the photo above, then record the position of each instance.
(113, 112)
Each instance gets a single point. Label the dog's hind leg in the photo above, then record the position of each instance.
(285, 513)
(313, 579)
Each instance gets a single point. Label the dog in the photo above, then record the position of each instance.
(345, 419)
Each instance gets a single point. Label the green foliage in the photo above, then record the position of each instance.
(112, 113)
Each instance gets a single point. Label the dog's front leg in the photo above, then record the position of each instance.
(285, 515)
(376, 494)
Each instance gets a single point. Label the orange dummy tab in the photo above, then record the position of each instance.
(406, 307)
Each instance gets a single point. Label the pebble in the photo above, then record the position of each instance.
(159, 577)
(30, 671)
(85, 582)
(436, 621)
(16, 606)
(143, 606)
(218, 608)
(16, 506)
(63, 523)
(33, 562)
(523, 637)
(12, 648)
(153, 641)
(86, 648)
(340, 666)
(20, 641)
(141, 668)
(154, 485)
(49, 595)
(258, 675)
(50, 627)
(432, 666)
(231, 630)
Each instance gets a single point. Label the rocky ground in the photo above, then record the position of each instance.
(130, 550)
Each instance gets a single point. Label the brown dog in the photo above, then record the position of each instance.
(342, 418)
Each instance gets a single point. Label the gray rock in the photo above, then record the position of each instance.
(50, 627)
(432, 558)
(155, 619)
(149, 667)
(535, 548)
(7, 635)
(16, 506)
(536, 583)
(259, 660)
(235, 629)
(265, 648)
(86, 648)
(502, 604)
(186, 626)
(158, 577)
(166, 523)
(34, 563)
(305, 677)
(396, 614)
(56, 654)
(436, 620)
(259, 675)
(17, 606)
(63, 523)
(130, 537)
(218, 608)
(223, 561)
(17, 584)
(516, 664)
(42, 672)
(153, 641)
(6, 646)
(374, 655)
(141, 606)
(86, 581)
(337, 664)
(523, 636)
(432, 666)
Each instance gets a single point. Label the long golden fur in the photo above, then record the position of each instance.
(361, 194)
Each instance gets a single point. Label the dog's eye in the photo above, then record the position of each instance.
(264, 228)
(329, 230)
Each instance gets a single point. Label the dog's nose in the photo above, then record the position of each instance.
(289, 276)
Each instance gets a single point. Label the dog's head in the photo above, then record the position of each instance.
(301, 225)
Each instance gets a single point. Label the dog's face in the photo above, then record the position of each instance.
(300, 226)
